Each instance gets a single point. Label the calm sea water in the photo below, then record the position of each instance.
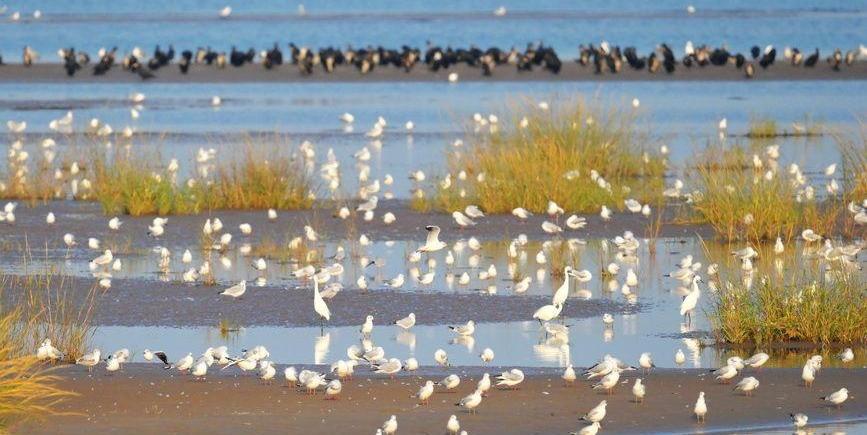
(562, 24)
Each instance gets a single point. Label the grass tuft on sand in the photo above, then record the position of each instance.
(581, 157)
(28, 389)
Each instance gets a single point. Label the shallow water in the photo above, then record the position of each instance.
(656, 328)
(178, 118)
(563, 24)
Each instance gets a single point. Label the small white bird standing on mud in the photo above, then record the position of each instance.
(235, 291)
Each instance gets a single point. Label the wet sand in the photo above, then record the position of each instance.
(180, 305)
(146, 399)
(571, 71)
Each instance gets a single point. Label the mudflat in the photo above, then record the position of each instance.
(145, 398)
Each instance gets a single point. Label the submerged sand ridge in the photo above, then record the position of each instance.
(49, 73)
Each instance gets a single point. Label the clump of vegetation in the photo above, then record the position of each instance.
(719, 155)
(581, 158)
(32, 176)
(854, 168)
(45, 299)
(762, 128)
(761, 204)
(123, 185)
(813, 311)
(38, 309)
(765, 128)
(745, 194)
(259, 183)
(28, 390)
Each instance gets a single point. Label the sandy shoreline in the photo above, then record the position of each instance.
(146, 399)
(572, 71)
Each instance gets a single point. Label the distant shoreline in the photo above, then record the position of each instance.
(572, 71)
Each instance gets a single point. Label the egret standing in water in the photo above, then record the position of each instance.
(319, 306)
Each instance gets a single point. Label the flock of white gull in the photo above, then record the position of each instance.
(607, 372)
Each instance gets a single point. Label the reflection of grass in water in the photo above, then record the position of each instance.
(794, 355)
(802, 309)
(552, 159)
(228, 328)
(298, 249)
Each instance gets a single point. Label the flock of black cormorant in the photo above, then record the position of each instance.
(602, 58)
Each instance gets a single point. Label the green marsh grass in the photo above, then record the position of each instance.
(763, 128)
(802, 310)
(123, 185)
(551, 159)
(766, 128)
(745, 205)
(854, 167)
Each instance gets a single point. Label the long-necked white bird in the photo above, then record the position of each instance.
(562, 293)
(690, 301)
(319, 305)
